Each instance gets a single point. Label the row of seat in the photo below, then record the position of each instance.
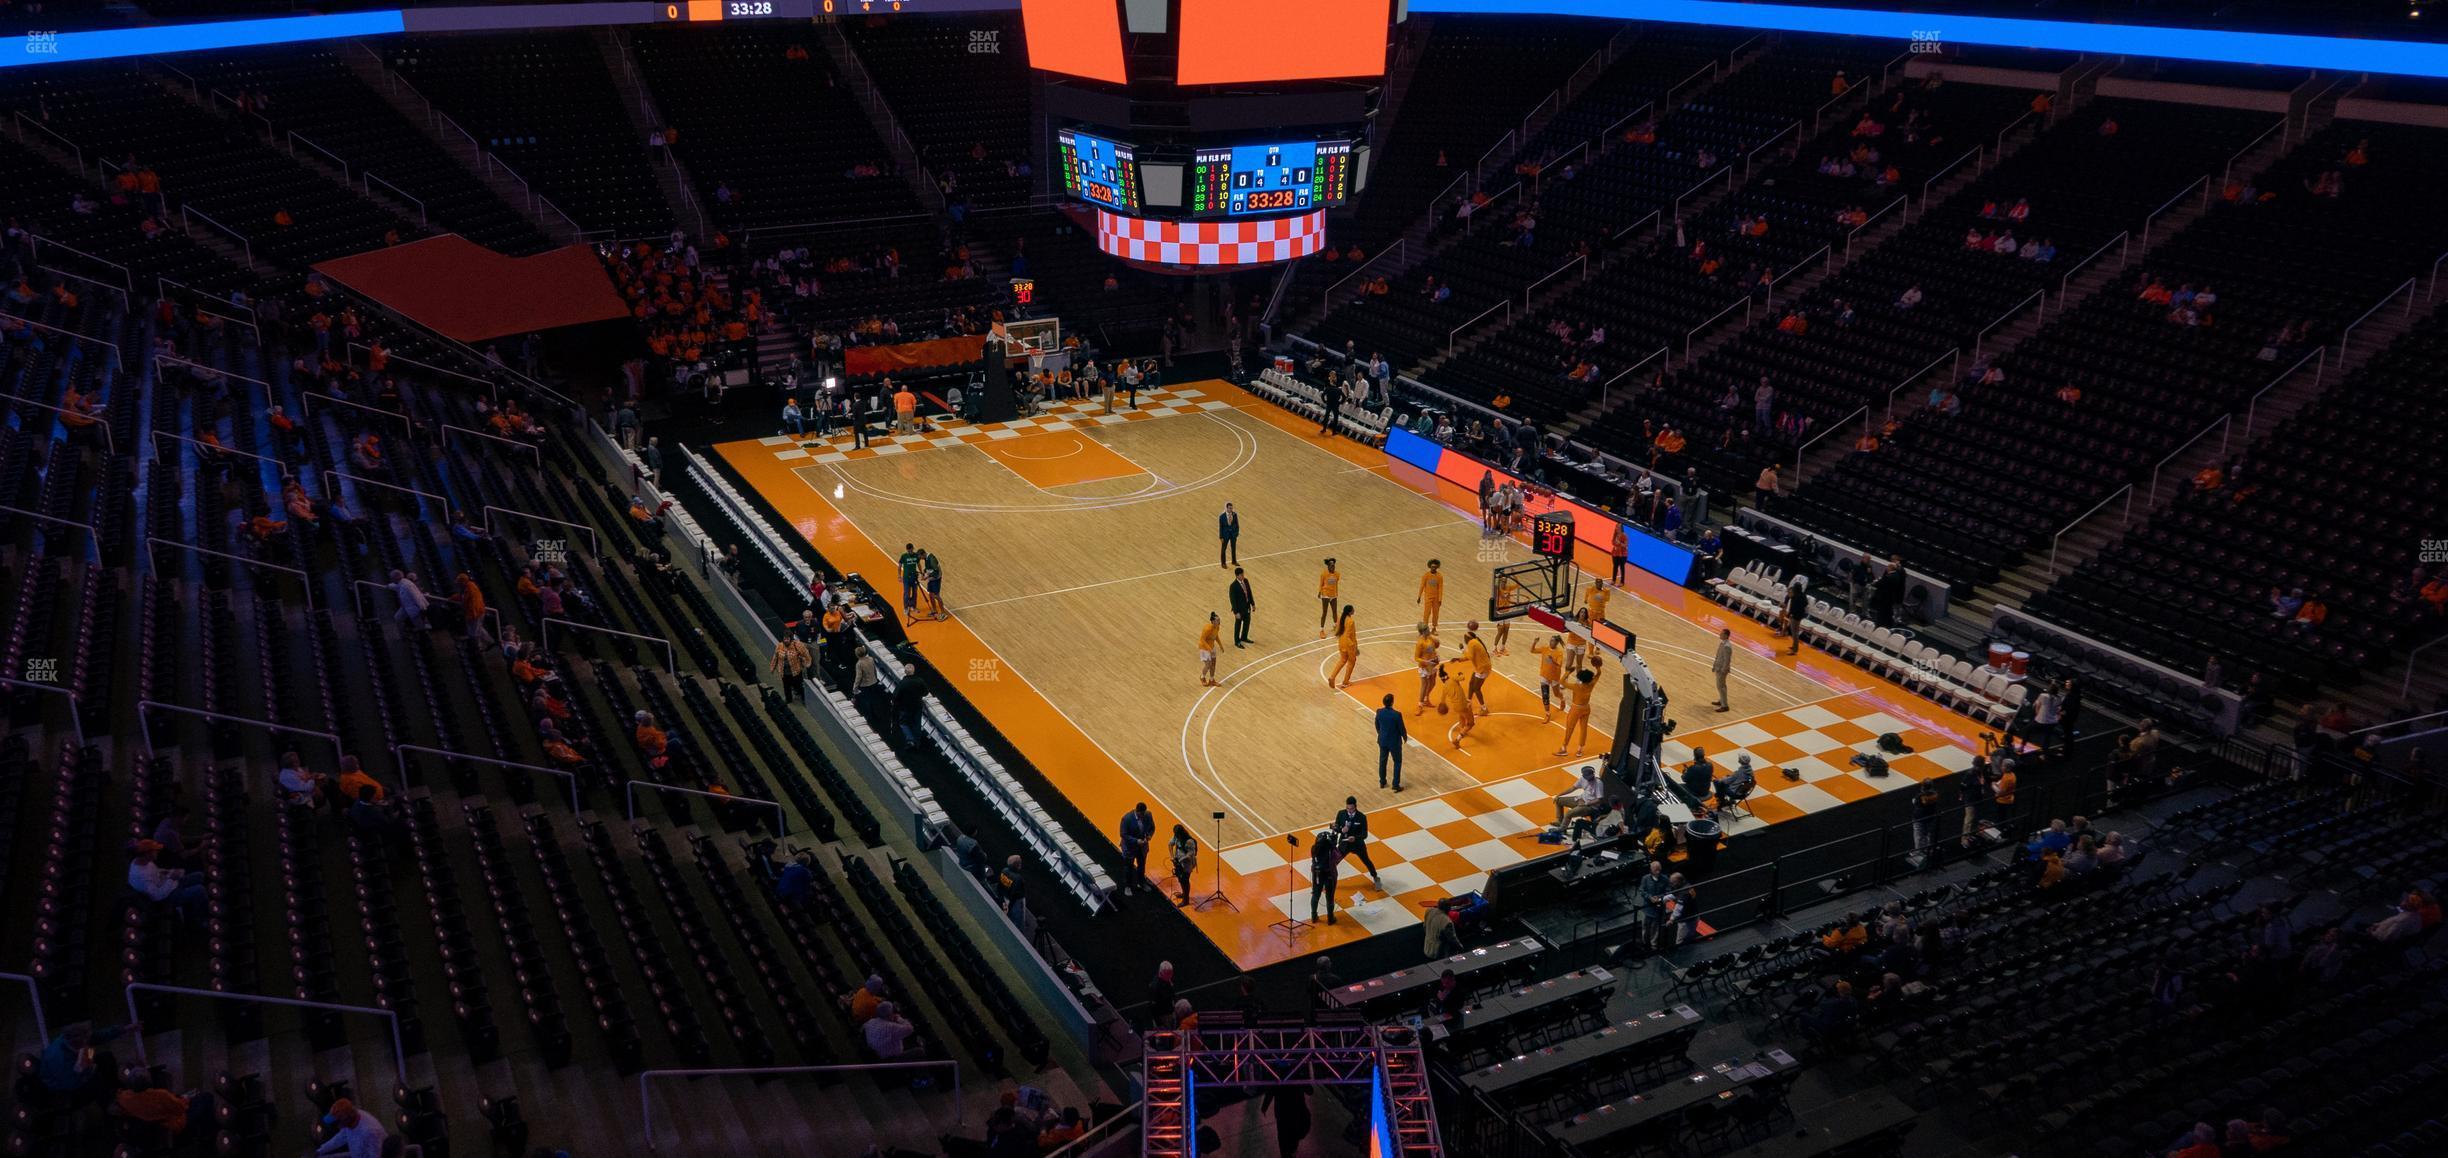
(1291, 393)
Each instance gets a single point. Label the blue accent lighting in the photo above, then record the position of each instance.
(2336, 53)
(106, 44)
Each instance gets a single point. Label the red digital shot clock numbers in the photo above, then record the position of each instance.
(1551, 535)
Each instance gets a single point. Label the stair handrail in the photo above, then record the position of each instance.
(1653, 217)
(524, 187)
(1506, 305)
(1597, 62)
(2040, 295)
(2123, 238)
(399, 767)
(1801, 453)
(2227, 174)
(74, 276)
(2224, 422)
(1532, 288)
(1499, 195)
(1703, 72)
(2432, 293)
(1867, 222)
(2252, 406)
(41, 240)
(367, 177)
(2058, 538)
(544, 635)
(1955, 355)
(1283, 283)
(188, 207)
(1607, 135)
(2406, 687)
(544, 204)
(399, 1048)
(20, 119)
(1999, 144)
(1820, 113)
(144, 721)
(1606, 389)
(1972, 154)
(69, 335)
(42, 1027)
(1726, 171)
(1752, 156)
(1127, 1118)
(1509, 137)
(1744, 305)
(2181, 194)
(239, 107)
(295, 140)
(1555, 98)
(2346, 336)
(1400, 244)
(1438, 200)
(110, 444)
(1768, 299)
(781, 817)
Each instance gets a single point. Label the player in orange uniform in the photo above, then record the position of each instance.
(1211, 637)
(1424, 654)
(1594, 611)
(1480, 663)
(1347, 648)
(1576, 715)
(1431, 593)
(1458, 704)
(1551, 675)
(1330, 584)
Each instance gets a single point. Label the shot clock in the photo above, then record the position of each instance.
(1551, 535)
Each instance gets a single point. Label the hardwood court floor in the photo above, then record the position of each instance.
(1080, 560)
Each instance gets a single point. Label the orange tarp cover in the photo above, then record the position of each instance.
(860, 361)
(465, 291)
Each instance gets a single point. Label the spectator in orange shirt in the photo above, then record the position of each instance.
(652, 743)
(354, 780)
(139, 1100)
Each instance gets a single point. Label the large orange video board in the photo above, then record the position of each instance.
(1239, 41)
(1075, 37)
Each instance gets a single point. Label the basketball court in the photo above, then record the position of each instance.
(1079, 555)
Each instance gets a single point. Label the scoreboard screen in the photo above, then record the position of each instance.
(1291, 177)
(1095, 169)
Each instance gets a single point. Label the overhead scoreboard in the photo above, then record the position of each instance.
(1284, 177)
(1099, 170)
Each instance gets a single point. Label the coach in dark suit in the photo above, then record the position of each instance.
(1390, 736)
(1351, 836)
(1244, 599)
(1228, 537)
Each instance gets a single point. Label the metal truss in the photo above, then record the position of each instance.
(1230, 1054)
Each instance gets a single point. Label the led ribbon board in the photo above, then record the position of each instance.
(2340, 53)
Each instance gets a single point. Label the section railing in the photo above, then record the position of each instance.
(2058, 539)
